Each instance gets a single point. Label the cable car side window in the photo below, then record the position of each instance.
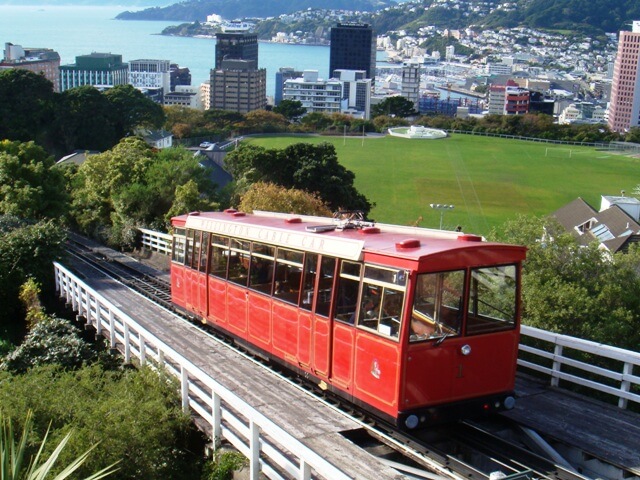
(325, 285)
(261, 274)
(382, 300)
(204, 250)
(219, 256)
(492, 299)
(178, 247)
(239, 261)
(309, 281)
(437, 305)
(348, 287)
(189, 248)
(288, 275)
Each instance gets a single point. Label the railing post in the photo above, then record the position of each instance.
(216, 419)
(98, 317)
(557, 365)
(88, 306)
(127, 344)
(143, 353)
(112, 329)
(160, 358)
(625, 386)
(305, 470)
(184, 389)
(254, 452)
(74, 304)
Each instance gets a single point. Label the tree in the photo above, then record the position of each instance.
(398, 106)
(83, 120)
(30, 186)
(135, 417)
(274, 198)
(383, 122)
(316, 121)
(312, 168)
(188, 199)
(101, 177)
(131, 109)
(262, 121)
(13, 453)
(26, 251)
(26, 105)
(290, 109)
(576, 290)
(53, 341)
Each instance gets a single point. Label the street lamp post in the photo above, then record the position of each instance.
(442, 208)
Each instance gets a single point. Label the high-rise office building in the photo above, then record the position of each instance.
(235, 45)
(238, 86)
(353, 47)
(624, 106)
(42, 61)
(411, 82)
(102, 70)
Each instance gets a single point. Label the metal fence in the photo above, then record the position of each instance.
(271, 451)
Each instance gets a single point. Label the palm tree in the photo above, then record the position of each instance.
(12, 456)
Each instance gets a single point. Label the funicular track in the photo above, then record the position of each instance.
(463, 450)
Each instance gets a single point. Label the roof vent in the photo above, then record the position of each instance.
(369, 230)
(408, 243)
(194, 213)
(230, 210)
(467, 237)
(238, 214)
(293, 220)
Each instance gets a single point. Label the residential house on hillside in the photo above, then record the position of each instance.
(615, 226)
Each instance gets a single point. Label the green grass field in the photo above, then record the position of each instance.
(489, 180)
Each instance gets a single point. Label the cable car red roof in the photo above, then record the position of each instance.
(323, 235)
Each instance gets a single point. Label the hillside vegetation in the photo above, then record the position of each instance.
(231, 9)
(590, 17)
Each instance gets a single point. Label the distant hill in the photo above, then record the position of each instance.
(604, 15)
(592, 17)
(191, 11)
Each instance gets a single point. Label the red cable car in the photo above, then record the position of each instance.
(417, 326)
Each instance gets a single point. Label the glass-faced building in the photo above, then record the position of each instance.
(353, 47)
(102, 70)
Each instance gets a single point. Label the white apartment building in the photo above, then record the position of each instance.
(184, 96)
(356, 92)
(150, 74)
(315, 94)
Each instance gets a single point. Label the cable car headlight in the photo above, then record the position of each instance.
(411, 422)
(465, 350)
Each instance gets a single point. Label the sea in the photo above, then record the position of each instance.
(81, 30)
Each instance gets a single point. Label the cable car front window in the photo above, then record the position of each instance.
(437, 306)
(492, 300)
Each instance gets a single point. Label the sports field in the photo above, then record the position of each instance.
(488, 180)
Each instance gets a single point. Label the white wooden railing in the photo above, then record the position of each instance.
(555, 358)
(270, 449)
(156, 241)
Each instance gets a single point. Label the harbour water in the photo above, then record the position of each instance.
(81, 30)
